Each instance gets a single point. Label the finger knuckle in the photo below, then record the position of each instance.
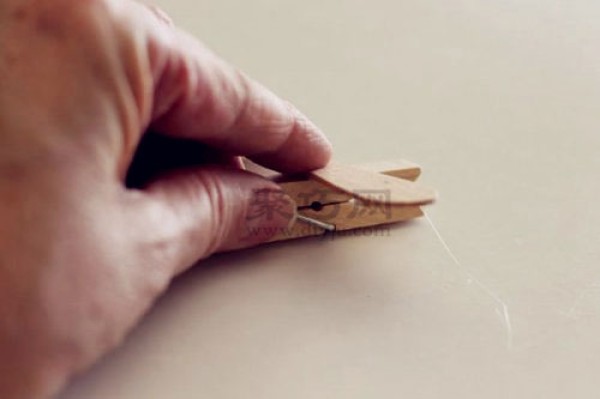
(63, 18)
(213, 192)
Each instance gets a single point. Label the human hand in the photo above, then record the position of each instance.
(82, 256)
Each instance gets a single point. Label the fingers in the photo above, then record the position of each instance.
(198, 96)
(189, 215)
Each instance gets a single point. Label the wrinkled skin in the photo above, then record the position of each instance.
(83, 257)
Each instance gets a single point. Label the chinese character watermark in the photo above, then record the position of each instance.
(268, 204)
(371, 202)
(373, 205)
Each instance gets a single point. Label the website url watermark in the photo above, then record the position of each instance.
(312, 231)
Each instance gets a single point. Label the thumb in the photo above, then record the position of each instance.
(191, 214)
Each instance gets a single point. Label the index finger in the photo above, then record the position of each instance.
(199, 96)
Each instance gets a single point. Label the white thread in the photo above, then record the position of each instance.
(571, 312)
(503, 311)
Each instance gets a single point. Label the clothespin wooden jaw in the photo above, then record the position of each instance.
(341, 197)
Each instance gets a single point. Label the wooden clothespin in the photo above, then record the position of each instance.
(341, 197)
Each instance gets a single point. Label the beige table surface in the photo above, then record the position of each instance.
(499, 101)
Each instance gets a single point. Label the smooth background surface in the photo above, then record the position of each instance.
(499, 102)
